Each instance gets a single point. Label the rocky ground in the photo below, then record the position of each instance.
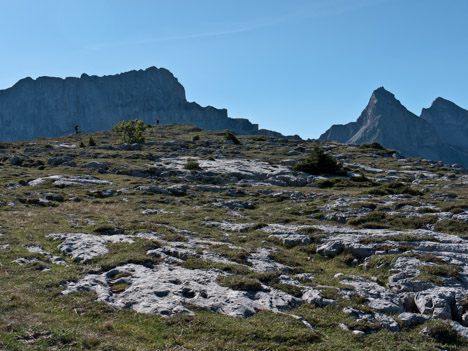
(192, 242)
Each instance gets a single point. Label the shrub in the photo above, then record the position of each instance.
(131, 131)
(393, 188)
(380, 220)
(452, 227)
(191, 164)
(82, 144)
(196, 137)
(91, 141)
(358, 182)
(232, 137)
(373, 145)
(319, 162)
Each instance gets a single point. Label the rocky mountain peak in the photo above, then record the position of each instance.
(440, 133)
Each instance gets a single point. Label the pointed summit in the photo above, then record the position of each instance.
(386, 121)
(450, 121)
(441, 103)
(383, 93)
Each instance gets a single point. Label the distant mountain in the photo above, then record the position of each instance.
(441, 133)
(50, 107)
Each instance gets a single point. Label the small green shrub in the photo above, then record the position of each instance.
(196, 137)
(451, 226)
(191, 164)
(434, 273)
(369, 205)
(91, 141)
(393, 188)
(82, 144)
(380, 220)
(232, 137)
(358, 182)
(442, 332)
(131, 131)
(319, 162)
(374, 145)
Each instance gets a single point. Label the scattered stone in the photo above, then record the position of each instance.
(291, 240)
(412, 319)
(232, 227)
(377, 318)
(99, 166)
(178, 189)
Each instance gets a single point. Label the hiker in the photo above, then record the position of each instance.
(157, 122)
(77, 130)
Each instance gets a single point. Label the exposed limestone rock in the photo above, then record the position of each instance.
(378, 318)
(84, 247)
(379, 298)
(290, 240)
(232, 227)
(52, 259)
(166, 290)
(73, 180)
(262, 262)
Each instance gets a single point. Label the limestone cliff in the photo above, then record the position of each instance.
(50, 107)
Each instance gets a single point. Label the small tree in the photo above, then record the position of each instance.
(131, 131)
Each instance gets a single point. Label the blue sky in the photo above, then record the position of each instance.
(294, 66)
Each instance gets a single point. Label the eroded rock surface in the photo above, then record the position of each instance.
(167, 289)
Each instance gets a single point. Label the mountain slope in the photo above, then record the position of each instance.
(50, 107)
(386, 121)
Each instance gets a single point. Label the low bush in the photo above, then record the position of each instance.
(374, 145)
(319, 162)
(91, 141)
(451, 226)
(393, 188)
(357, 182)
(380, 220)
(232, 137)
(191, 164)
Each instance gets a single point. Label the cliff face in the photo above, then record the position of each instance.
(449, 121)
(441, 133)
(50, 107)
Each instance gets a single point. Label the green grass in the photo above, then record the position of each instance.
(452, 227)
(32, 305)
(381, 220)
(393, 188)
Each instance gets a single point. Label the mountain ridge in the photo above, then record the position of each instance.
(439, 133)
(52, 106)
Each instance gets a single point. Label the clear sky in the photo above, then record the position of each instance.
(294, 66)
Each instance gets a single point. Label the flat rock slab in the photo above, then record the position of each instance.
(291, 240)
(167, 290)
(84, 247)
(52, 259)
(232, 227)
(72, 180)
(378, 318)
(378, 297)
